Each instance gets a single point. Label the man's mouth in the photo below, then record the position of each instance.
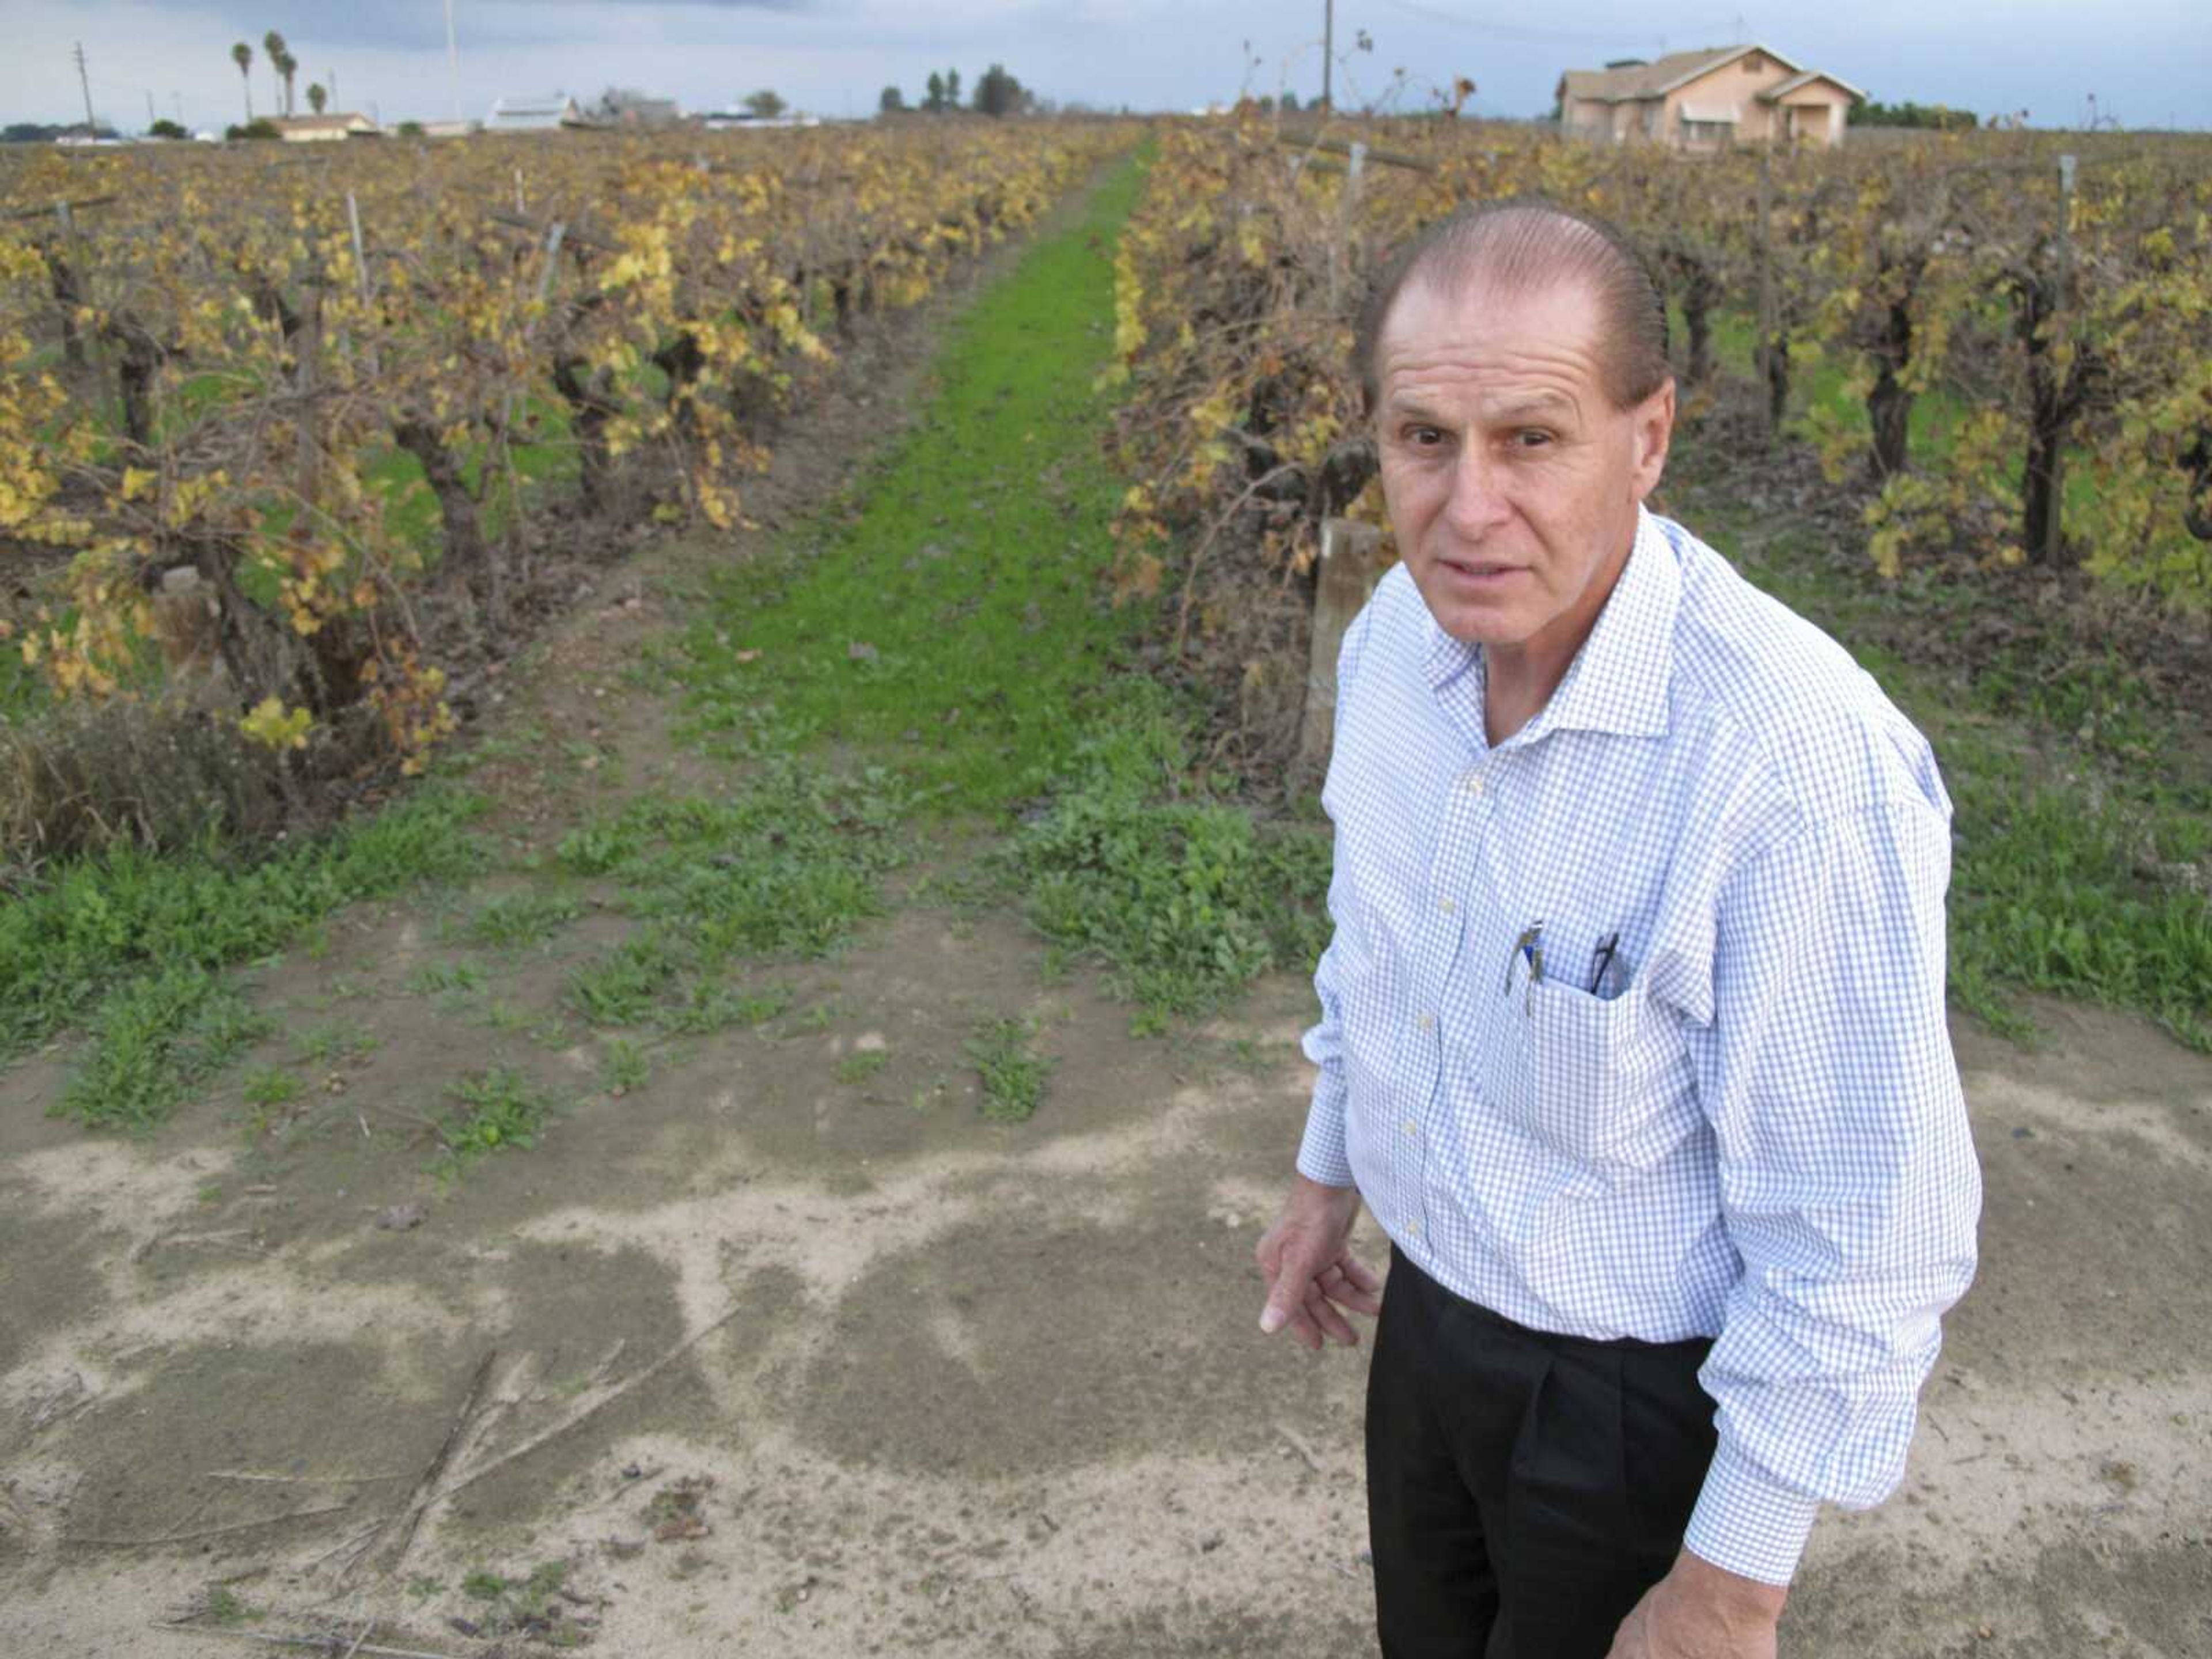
(1472, 571)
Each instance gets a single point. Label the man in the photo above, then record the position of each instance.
(1632, 1030)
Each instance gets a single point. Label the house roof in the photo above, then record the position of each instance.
(1798, 82)
(557, 103)
(327, 123)
(1637, 81)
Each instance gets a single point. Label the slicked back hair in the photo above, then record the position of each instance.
(1523, 246)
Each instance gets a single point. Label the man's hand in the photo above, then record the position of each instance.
(1699, 1611)
(1310, 1273)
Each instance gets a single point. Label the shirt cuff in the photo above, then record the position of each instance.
(1321, 1155)
(1747, 1523)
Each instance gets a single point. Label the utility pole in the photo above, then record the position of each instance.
(332, 75)
(1328, 50)
(150, 117)
(91, 126)
(454, 59)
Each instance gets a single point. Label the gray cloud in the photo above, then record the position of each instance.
(2142, 58)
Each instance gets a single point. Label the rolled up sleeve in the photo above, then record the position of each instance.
(1848, 1182)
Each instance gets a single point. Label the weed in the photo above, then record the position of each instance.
(1186, 899)
(622, 989)
(224, 1607)
(129, 942)
(856, 1069)
(268, 1086)
(434, 977)
(790, 866)
(2048, 892)
(1014, 1076)
(153, 1039)
(325, 1045)
(625, 1068)
(521, 919)
(498, 1106)
(704, 1006)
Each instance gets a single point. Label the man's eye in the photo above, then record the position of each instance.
(1530, 438)
(1424, 437)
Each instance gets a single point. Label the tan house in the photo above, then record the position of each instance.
(324, 128)
(1707, 99)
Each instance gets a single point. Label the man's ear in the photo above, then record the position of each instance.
(1655, 428)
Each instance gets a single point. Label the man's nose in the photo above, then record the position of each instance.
(1477, 502)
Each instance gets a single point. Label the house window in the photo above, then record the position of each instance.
(1695, 131)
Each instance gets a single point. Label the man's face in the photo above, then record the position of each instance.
(1512, 481)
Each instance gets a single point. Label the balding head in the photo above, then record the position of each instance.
(1508, 249)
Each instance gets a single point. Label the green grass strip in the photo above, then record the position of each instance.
(949, 615)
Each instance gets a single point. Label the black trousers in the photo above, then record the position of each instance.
(1523, 1489)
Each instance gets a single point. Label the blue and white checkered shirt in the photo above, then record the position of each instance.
(1741, 1120)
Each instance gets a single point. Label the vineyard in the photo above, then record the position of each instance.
(2010, 343)
(302, 425)
(670, 1176)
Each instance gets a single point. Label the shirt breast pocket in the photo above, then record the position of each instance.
(1604, 1082)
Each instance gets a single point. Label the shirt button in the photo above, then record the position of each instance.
(1446, 906)
(1411, 1127)
(1472, 784)
(1426, 1022)
(1413, 1229)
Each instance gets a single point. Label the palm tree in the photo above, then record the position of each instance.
(280, 62)
(242, 55)
(317, 97)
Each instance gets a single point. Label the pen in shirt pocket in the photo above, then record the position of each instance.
(1529, 947)
(1605, 960)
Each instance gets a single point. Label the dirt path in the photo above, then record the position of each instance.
(787, 1349)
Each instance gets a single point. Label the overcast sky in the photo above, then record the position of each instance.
(2148, 63)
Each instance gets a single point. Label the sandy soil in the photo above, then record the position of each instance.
(778, 1360)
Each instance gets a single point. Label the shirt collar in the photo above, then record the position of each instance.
(1618, 682)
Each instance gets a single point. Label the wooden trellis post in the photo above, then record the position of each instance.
(1351, 565)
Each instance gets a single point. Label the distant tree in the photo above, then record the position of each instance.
(765, 104)
(410, 128)
(998, 93)
(166, 128)
(1288, 103)
(264, 128)
(892, 101)
(317, 97)
(1934, 117)
(242, 55)
(281, 62)
(952, 88)
(933, 100)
